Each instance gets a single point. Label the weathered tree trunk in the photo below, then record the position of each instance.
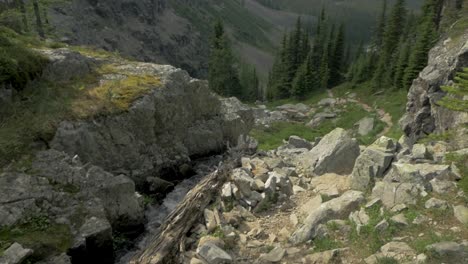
(37, 13)
(169, 242)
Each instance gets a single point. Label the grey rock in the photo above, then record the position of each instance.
(243, 181)
(423, 114)
(372, 163)
(327, 102)
(325, 257)
(449, 250)
(336, 208)
(436, 204)
(15, 254)
(336, 153)
(399, 220)
(399, 251)
(418, 173)
(443, 187)
(392, 193)
(461, 213)
(213, 254)
(274, 256)
(365, 126)
(419, 151)
(179, 119)
(382, 226)
(298, 142)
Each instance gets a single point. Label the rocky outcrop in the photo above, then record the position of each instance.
(160, 131)
(423, 115)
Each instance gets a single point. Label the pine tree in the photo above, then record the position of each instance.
(380, 26)
(393, 30)
(402, 64)
(22, 8)
(424, 40)
(223, 76)
(324, 70)
(456, 94)
(303, 81)
(337, 58)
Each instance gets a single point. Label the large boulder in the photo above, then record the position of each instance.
(335, 153)
(176, 120)
(15, 254)
(373, 162)
(338, 208)
(421, 173)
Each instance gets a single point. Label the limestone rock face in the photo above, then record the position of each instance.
(423, 115)
(179, 119)
(335, 153)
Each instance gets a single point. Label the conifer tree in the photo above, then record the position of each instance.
(337, 58)
(380, 26)
(324, 70)
(303, 81)
(39, 25)
(391, 37)
(456, 94)
(223, 76)
(424, 40)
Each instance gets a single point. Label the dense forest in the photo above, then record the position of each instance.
(322, 57)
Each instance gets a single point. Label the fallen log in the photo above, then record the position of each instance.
(169, 243)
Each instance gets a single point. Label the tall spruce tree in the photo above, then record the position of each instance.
(378, 34)
(393, 30)
(223, 76)
(39, 25)
(337, 56)
(424, 40)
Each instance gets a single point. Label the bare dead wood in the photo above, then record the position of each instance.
(166, 244)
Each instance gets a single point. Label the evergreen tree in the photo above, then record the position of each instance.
(456, 94)
(324, 70)
(337, 58)
(303, 82)
(424, 40)
(249, 82)
(223, 76)
(401, 66)
(380, 26)
(393, 30)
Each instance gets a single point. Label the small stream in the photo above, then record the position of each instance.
(157, 213)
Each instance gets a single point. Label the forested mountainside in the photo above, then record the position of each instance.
(174, 31)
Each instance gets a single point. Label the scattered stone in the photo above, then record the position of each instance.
(299, 143)
(365, 126)
(449, 250)
(311, 205)
(327, 102)
(210, 220)
(373, 202)
(274, 256)
(372, 163)
(15, 254)
(360, 218)
(421, 258)
(420, 219)
(382, 226)
(393, 193)
(330, 184)
(336, 208)
(213, 254)
(293, 219)
(399, 219)
(326, 257)
(243, 181)
(443, 187)
(400, 251)
(461, 213)
(436, 203)
(419, 151)
(210, 239)
(335, 153)
(398, 208)
(298, 189)
(226, 191)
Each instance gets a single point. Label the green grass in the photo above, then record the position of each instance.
(391, 100)
(273, 136)
(324, 244)
(312, 99)
(39, 234)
